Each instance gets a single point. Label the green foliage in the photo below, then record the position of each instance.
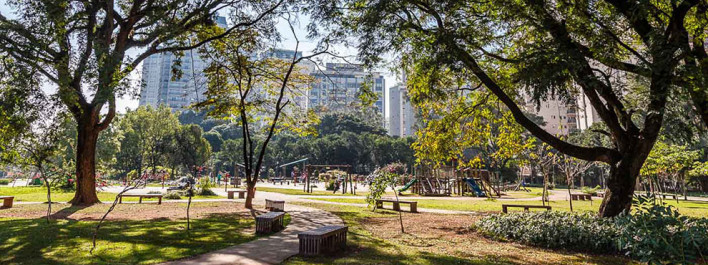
(204, 186)
(173, 195)
(658, 234)
(4, 181)
(554, 229)
(591, 191)
(330, 185)
(653, 233)
(384, 178)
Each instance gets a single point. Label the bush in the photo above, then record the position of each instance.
(154, 192)
(562, 230)
(205, 185)
(591, 191)
(653, 233)
(658, 233)
(173, 195)
(330, 185)
(4, 181)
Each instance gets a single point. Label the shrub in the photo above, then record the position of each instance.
(653, 233)
(173, 195)
(205, 185)
(330, 185)
(563, 230)
(4, 181)
(591, 191)
(657, 233)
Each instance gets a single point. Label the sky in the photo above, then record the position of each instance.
(306, 45)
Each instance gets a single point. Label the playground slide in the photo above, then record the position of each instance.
(407, 186)
(475, 187)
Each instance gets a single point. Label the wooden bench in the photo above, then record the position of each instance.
(274, 206)
(526, 207)
(397, 204)
(241, 194)
(7, 201)
(141, 196)
(580, 196)
(269, 222)
(323, 240)
(663, 195)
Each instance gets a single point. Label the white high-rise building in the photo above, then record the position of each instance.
(401, 114)
(339, 85)
(160, 86)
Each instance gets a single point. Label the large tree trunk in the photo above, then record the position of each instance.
(86, 162)
(250, 193)
(621, 184)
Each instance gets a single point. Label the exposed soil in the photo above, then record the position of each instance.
(131, 211)
(452, 235)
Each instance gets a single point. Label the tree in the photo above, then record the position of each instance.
(256, 89)
(548, 49)
(147, 132)
(82, 47)
(669, 163)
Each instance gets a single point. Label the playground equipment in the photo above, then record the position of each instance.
(477, 182)
(433, 181)
(475, 187)
(407, 186)
(294, 176)
(348, 181)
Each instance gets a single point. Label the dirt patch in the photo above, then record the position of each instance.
(452, 235)
(145, 211)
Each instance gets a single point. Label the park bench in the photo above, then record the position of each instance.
(141, 196)
(323, 240)
(663, 195)
(526, 207)
(241, 194)
(269, 222)
(7, 201)
(274, 206)
(580, 196)
(397, 204)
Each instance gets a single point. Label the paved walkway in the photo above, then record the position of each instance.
(272, 249)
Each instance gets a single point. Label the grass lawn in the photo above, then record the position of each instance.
(690, 208)
(135, 234)
(375, 238)
(39, 194)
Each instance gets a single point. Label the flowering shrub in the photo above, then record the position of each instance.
(653, 233)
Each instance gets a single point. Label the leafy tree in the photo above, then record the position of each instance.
(82, 48)
(670, 162)
(547, 49)
(147, 133)
(255, 90)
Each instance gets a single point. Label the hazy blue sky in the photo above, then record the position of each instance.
(288, 43)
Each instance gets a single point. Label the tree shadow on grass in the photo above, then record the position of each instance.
(33, 241)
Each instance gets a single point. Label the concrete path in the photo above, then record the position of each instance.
(272, 249)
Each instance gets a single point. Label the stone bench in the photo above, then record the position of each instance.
(7, 201)
(275, 206)
(323, 240)
(269, 222)
(526, 207)
(141, 196)
(241, 194)
(580, 196)
(397, 204)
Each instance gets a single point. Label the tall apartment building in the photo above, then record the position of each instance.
(160, 86)
(563, 118)
(338, 86)
(401, 114)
